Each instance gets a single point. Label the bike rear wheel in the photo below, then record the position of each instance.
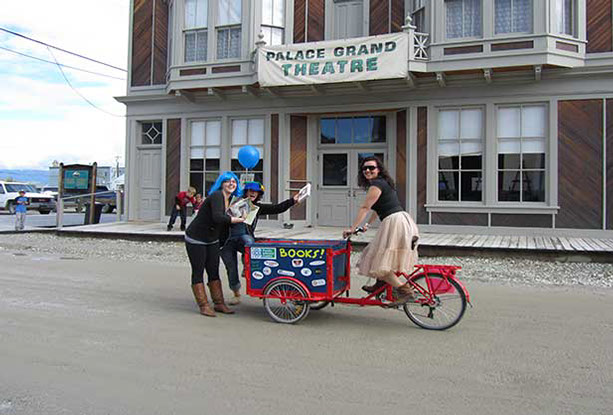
(448, 303)
(318, 305)
(284, 301)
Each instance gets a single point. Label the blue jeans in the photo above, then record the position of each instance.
(228, 254)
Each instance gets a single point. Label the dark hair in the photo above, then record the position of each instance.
(383, 173)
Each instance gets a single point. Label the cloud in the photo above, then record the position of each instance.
(41, 117)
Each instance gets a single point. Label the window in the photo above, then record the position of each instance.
(229, 29)
(171, 19)
(273, 21)
(348, 19)
(521, 132)
(1, 189)
(248, 132)
(460, 154)
(418, 15)
(463, 18)
(205, 154)
(353, 130)
(513, 16)
(565, 17)
(196, 33)
(151, 133)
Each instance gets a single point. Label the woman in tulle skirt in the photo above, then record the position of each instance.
(394, 247)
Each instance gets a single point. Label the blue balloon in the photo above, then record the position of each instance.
(248, 157)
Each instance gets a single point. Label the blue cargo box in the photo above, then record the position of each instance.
(303, 260)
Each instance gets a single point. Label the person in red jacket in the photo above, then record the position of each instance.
(180, 207)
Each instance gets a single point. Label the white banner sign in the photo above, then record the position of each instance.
(346, 60)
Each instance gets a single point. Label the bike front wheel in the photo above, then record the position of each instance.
(284, 301)
(446, 308)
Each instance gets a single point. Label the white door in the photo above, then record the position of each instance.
(348, 19)
(339, 195)
(150, 179)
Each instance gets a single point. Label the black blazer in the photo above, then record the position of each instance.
(211, 220)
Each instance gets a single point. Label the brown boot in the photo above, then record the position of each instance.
(405, 294)
(201, 300)
(217, 296)
(375, 287)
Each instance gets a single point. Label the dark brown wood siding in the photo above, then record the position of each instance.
(298, 160)
(522, 221)
(299, 16)
(609, 164)
(599, 26)
(316, 16)
(173, 162)
(379, 17)
(422, 146)
(398, 15)
(160, 42)
(274, 161)
(465, 219)
(580, 164)
(401, 156)
(141, 42)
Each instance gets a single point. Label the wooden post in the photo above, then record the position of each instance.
(59, 205)
(92, 198)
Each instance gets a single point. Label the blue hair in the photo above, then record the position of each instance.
(224, 177)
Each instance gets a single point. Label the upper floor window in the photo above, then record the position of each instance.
(565, 17)
(353, 130)
(196, 33)
(205, 154)
(229, 29)
(273, 21)
(348, 19)
(463, 18)
(521, 134)
(460, 154)
(151, 133)
(418, 15)
(513, 16)
(248, 132)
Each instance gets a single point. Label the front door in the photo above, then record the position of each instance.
(149, 179)
(339, 195)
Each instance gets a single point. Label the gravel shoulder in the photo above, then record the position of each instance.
(504, 270)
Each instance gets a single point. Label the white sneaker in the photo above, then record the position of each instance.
(235, 300)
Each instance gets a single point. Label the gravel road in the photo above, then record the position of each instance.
(504, 270)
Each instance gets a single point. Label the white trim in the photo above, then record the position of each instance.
(604, 164)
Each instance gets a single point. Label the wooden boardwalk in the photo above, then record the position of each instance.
(473, 242)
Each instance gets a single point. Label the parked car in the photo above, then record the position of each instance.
(52, 191)
(9, 191)
(108, 199)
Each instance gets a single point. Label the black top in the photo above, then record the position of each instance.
(211, 219)
(388, 202)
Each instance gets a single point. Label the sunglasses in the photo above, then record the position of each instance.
(371, 168)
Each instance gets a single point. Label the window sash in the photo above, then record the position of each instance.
(565, 17)
(229, 12)
(273, 35)
(273, 13)
(228, 42)
(463, 18)
(513, 16)
(196, 14)
(196, 45)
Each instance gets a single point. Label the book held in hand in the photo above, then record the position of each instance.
(243, 208)
(304, 192)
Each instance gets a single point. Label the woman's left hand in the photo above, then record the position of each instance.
(296, 199)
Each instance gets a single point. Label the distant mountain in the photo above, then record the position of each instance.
(38, 177)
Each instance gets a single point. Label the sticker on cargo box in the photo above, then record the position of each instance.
(267, 271)
(272, 264)
(286, 273)
(297, 263)
(306, 272)
(316, 263)
(263, 253)
(318, 283)
(257, 275)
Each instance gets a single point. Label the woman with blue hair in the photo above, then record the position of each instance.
(202, 242)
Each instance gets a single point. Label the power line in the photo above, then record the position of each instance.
(60, 49)
(65, 66)
(77, 92)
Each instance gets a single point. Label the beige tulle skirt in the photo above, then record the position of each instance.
(390, 250)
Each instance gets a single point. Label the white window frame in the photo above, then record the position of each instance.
(559, 19)
(521, 139)
(463, 36)
(277, 23)
(196, 31)
(221, 25)
(330, 30)
(459, 141)
(204, 147)
(234, 147)
(513, 30)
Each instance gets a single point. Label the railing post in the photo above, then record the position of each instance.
(59, 213)
(410, 30)
(260, 43)
(118, 204)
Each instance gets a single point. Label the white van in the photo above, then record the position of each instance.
(9, 191)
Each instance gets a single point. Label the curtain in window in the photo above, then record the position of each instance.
(513, 16)
(463, 18)
(564, 16)
(228, 43)
(229, 12)
(196, 45)
(196, 13)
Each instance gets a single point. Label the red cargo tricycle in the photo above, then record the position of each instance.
(295, 276)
